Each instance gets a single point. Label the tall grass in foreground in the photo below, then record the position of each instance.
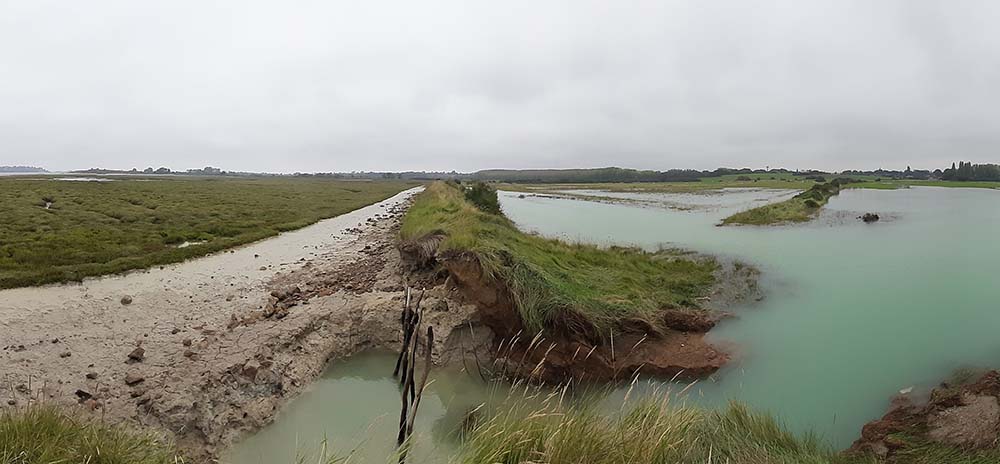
(647, 430)
(45, 435)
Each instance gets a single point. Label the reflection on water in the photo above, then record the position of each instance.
(354, 408)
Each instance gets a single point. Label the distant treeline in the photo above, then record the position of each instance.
(21, 169)
(211, 171)
(607, 175)
(963, 171)
(966, 171)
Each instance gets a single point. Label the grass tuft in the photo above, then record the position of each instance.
(650, 431)
(44, 435)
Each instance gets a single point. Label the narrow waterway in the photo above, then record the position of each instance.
(854, 312)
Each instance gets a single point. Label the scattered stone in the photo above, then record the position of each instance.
(869, 218)
(175, 331)
(137, 392)
(65, 354)
(250, 369)
(133, 379)
(11, 402)
(91, 375)
(126, 300)
(83, 395)
(263, 268)
(137, 355)
(186, 342)
(188, 354)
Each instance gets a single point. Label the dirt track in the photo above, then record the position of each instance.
(219, 343)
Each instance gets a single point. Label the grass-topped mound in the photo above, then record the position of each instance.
(44, 435)
(552, 281)
(800, 208)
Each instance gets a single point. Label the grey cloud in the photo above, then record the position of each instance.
(336, 85)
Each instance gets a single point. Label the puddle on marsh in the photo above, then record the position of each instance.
(854, 312)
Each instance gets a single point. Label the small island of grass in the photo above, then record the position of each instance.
(800, 208)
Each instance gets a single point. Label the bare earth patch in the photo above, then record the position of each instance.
(209, 349)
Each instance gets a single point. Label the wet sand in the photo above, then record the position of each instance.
(218, 343)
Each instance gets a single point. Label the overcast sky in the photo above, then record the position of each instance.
(424, 85)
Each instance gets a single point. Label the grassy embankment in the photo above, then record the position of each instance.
(95, 228)
(549, 278)
(44, 435)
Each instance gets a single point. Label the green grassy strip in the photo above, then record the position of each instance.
(650, 431)
(550, 279)
(800, 208)
(44, 435)
(96, 228)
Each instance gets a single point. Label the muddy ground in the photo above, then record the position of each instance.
(208, 350)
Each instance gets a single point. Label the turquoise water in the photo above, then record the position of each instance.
(853, 314)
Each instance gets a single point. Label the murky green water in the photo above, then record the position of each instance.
(354, 411)
(853, 313)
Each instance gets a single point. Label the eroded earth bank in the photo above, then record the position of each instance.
(208, 350)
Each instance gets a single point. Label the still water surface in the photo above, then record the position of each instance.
(853, 313)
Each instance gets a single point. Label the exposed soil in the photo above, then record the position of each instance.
(678, 349)
(965, 416)
(208, 350)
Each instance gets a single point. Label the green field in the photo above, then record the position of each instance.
(553, 281)
(96, 228)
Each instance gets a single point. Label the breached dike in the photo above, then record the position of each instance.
(213, 366)
(670, 344)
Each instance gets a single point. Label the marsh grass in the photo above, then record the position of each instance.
(550, 429)
(96, 228)
(42, 434)
(555, 283)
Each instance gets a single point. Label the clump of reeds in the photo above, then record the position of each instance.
(548, 429)
(43, 434)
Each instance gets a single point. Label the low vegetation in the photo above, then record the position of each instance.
(649, 431)
(800, 208)
(57, 231)
(550, 278)
(45, 435)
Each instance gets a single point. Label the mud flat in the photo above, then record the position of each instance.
(208, 350)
